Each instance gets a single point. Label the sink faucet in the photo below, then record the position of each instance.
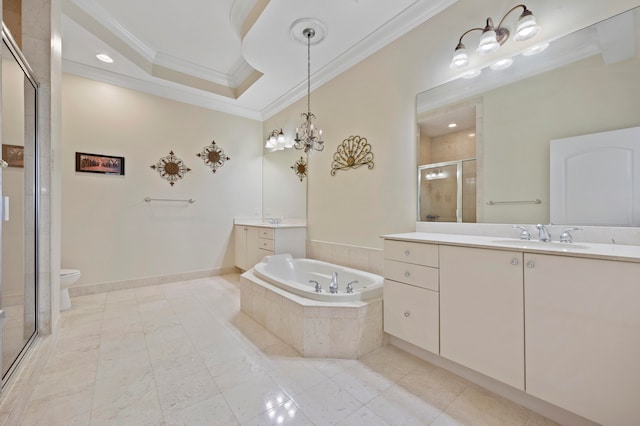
(544, 234)
(333, 287)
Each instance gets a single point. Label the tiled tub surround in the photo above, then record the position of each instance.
(313, 328)
(363, 258)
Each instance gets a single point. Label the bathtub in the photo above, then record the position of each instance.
(294, 276)
(276, 293)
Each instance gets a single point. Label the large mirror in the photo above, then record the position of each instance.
(586, 82)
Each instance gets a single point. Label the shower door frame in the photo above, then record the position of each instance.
(15, 51)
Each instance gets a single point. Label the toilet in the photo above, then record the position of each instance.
(67, 278)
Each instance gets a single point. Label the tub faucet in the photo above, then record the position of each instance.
(333, 287)
(350, 286)
(544, 234)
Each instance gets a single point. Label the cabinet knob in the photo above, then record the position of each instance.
(515, 262)
(407, 314)
(407, 252)
(407, 274)
(531, 264)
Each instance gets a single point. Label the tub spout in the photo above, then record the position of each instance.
(350, 286)
(333, 287)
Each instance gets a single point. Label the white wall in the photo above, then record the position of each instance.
(376, 99)
(108, 231)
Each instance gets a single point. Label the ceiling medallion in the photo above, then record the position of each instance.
(213, 156)
(300, 168)
(171, 168)
(351, 154)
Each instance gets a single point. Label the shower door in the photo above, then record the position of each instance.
(447, 192)
(18, 225)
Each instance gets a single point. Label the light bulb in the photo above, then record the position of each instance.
(527, 26)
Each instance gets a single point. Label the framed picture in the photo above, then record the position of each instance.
(13, 154)
(95, 163)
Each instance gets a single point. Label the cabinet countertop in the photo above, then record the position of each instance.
(617, 252)
(260, 224)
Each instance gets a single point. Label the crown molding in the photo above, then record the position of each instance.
(402, 23)
(162, 89)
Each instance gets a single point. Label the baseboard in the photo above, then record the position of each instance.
(87, 289)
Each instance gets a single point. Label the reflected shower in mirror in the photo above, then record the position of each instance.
(585, 82)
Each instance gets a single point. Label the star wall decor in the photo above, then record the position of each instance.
(300, 168)
(213, 156)
(171, 168)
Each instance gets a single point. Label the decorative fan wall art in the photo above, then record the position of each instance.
(213, 156)
(300, 168)
(171, 168)
(351, 154)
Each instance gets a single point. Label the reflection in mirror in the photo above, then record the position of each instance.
(447, 166)
(583, 83)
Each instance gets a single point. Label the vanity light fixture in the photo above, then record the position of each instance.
(308, 136)
(276, 141)
(104, 58)
(493, 37)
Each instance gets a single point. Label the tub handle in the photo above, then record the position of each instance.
(407, 314)
(318, 286)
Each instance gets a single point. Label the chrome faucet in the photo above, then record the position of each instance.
(333, 287)
(350, 286)
(544, 234)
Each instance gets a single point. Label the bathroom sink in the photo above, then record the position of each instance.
(541, 244)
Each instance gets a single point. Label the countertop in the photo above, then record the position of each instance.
(578, 249)
(262, 224)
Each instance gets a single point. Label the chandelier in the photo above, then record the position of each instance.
(308, 136)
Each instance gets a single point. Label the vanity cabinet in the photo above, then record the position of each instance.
(410, 301)
(253, 243)
(582, 320)
(481, 311)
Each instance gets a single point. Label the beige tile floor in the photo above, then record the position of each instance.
(183, 354)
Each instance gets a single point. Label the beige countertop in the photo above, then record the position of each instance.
(618, 252)
(261, 223)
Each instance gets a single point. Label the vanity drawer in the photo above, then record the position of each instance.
(418, 253)
(265, 244)
(409, 273)
(266, 233)
(412, 314)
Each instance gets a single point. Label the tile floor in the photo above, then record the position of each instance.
(183, 354)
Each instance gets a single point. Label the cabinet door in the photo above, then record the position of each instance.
(411, 314)
(481, 311)
(254, 253)
(582, 318)
(240, 237)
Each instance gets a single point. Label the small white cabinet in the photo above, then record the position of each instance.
(582, 319)
(481, 311)
(253, 243)
(410, 301)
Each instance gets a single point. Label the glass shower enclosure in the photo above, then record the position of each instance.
(447, 192)
(19, 206)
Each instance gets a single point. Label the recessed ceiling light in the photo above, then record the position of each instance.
(535, 49)
(452, 125)
(502, 64)
(104, 58)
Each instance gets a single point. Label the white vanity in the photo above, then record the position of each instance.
(560, 322)
(255, 239)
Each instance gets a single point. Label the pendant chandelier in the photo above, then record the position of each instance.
(308, 136)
